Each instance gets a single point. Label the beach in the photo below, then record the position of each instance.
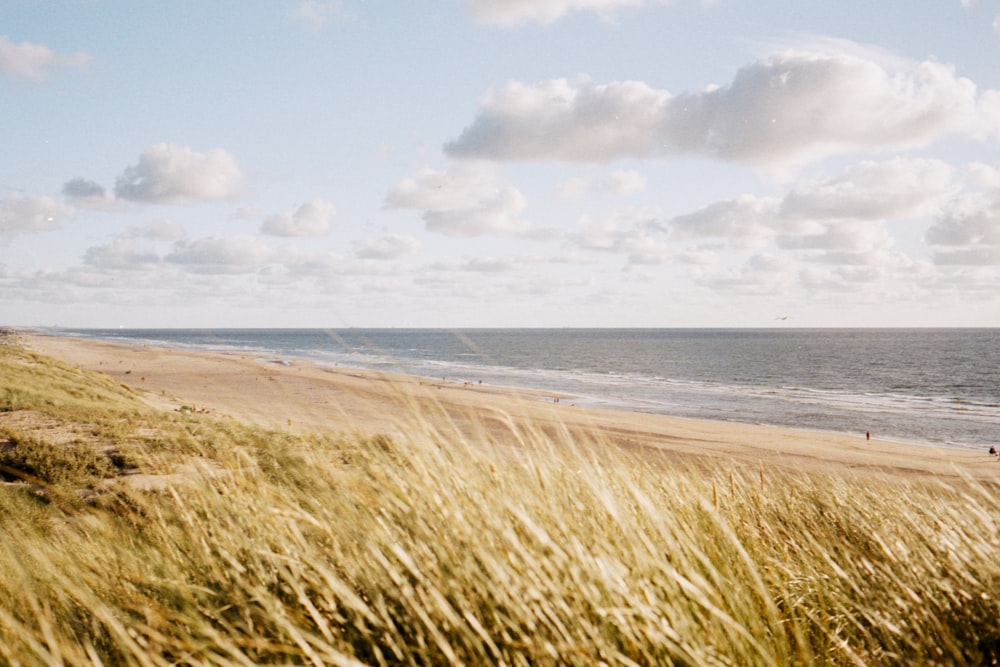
(298, 395)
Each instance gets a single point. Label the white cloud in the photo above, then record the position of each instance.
(162, 230)
(565, 120)
(221, 254)
(996, 25)
(874, 190)
(968, 231)
(763, 273)
(621, 183)
(573, 188)
(625, 183)
(868, 283)
(842, 241)
(982, 175)
(156, 230)
(298, 263)
(172, 174)
(122, 254)
(88, 194)
(630, 233)
(31, 62)
(792, 107)
(311, 219)
(316, 14)
(986, 256)
(246, 213)
(844, 214)
(387, 247)
(129, 249)
(698, 256)
(490, 265)
(512, 12)
(745, 220)
(463, 200)
(840, 221)
(21, 214)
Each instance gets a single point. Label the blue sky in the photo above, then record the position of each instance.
(468, 163)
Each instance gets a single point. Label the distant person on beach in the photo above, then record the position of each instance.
(868, 435)
(993, 450)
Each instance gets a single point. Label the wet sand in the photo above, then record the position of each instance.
(299, 395)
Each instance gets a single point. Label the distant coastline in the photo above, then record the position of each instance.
(304, 395)
(924, 386)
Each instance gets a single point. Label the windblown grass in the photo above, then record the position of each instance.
(433, 549)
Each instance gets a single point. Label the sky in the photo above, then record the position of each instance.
(499, 163)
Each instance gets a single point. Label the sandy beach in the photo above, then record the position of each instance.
(299, 395)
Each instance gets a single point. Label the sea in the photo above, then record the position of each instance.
(922, 386)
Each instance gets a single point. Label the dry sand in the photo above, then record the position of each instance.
(300, 395)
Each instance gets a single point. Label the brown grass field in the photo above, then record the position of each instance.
(162, 507)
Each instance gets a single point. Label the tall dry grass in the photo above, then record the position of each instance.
(432, 549)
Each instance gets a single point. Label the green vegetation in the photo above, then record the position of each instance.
(256, 547)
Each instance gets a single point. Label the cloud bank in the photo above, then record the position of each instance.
(221, 254)
(621, 183)
(392, 246)
(313, 218)
(968, 231)
(31, 62)
(843, 214)
(20, 214)
(513, 12)
(316, 14)
(463, 200)
(172, 174)
(792, 107)
(88, 194)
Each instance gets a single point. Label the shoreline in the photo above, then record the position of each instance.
(300, 394)
(595, 402)
(767, 394)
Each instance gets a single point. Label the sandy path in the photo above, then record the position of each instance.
(302, 395)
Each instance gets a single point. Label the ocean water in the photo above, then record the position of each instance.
(936, 386)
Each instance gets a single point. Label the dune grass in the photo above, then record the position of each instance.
(269, 548)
